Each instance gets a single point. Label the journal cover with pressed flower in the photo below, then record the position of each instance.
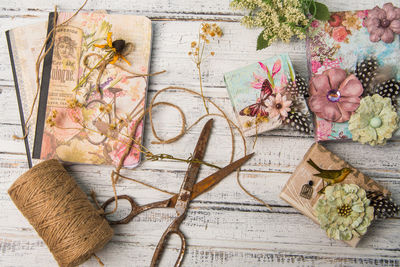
(262, 98)
(347, 48)
(85, 123)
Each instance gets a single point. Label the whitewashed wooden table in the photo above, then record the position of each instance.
(224, 227)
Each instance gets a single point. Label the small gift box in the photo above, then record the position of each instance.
(335, 195)
(354, 78)
(266, 95)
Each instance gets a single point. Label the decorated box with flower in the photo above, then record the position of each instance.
(335, 195)
(354, 75)
(266, 95)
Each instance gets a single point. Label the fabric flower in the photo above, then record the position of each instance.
(278, 106)
(383, 23)
(334, 97)
(374, 121)
(339, 34)
(344, 211)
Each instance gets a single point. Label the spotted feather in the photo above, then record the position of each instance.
(366, 72)
(299, 122)
(297, 88)
(390, 88)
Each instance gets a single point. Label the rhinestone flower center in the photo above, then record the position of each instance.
(344, 210)
(385, 23)
(333, 95)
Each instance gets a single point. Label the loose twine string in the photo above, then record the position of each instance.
(34, 201)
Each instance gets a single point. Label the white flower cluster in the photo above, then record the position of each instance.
(280, 19)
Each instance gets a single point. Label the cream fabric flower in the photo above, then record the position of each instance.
(374, 121)
(344, 211)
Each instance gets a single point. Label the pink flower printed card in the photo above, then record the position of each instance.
(267, 95)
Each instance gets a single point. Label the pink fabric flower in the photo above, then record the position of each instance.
(334, 95)
(324, 129)
(278, 106)
(383, 23)
(339, 34)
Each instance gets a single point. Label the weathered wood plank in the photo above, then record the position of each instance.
(224, 227)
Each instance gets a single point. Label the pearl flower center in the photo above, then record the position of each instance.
(344, 210)
(278, 106)
(384, 23)
(375, 122)
(333, 95)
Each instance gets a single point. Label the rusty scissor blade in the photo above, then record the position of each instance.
(209, 182)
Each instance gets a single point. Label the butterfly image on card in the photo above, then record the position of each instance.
(259, 109)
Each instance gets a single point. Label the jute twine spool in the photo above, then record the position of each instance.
(60, 212)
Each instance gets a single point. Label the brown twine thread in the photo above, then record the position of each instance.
(61, 213)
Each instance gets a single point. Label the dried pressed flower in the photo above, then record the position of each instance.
(119, 48)
(198, 49)
(344, 211)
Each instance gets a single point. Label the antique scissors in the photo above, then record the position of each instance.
(189, 190)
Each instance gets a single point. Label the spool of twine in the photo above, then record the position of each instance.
(60, 212)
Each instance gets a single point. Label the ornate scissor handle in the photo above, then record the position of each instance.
(128, 218)
(172, 229)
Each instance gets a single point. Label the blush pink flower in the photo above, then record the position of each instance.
(383, 23)
(339, 34)
(278, 106)
(334, 95)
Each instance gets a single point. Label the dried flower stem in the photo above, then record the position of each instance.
(201, 87)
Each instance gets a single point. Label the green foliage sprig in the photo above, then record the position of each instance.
(280, 19)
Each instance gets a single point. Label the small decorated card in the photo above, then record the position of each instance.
(335, 195)
(354, 75)
(266, 95)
